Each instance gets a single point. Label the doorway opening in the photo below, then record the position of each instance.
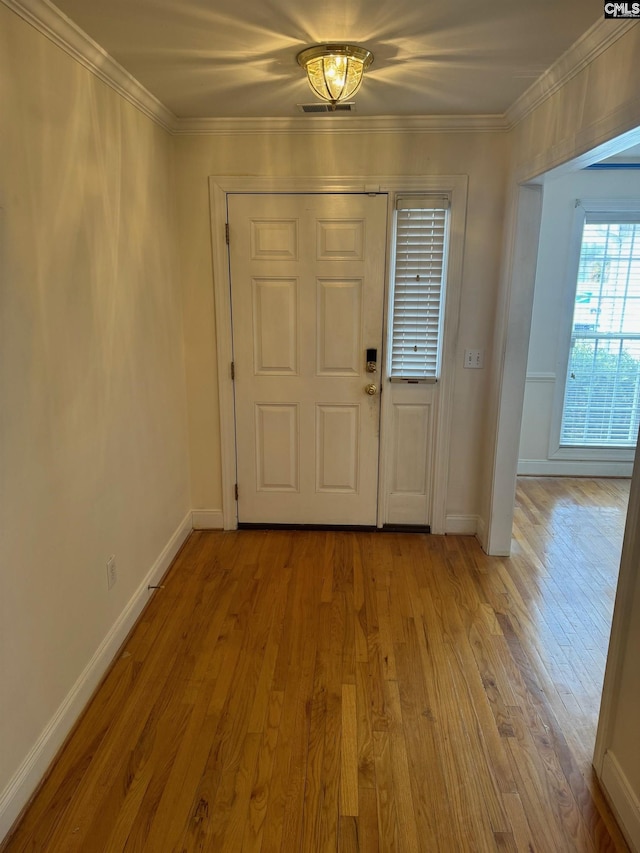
(584, 513)
(331, 474)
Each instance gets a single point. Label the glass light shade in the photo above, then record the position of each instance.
(335, 71)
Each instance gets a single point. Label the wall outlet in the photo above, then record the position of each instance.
(474, 358)
(112, 574)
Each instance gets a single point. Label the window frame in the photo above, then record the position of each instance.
(583, 207)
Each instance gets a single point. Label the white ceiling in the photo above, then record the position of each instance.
(237, 58)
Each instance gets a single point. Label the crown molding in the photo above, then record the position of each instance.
(585, 50)
(63, 32)
(342, 124)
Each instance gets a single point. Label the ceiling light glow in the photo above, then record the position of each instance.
(335, 71)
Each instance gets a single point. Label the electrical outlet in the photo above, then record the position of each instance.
(474, 358)
(112, 574)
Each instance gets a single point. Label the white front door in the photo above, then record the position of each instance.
(307, 294)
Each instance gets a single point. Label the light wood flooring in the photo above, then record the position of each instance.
(326, 691)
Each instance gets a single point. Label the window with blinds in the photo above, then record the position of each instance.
(418, 287)
(602, 392)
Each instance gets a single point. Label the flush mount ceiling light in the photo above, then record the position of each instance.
(335, 70)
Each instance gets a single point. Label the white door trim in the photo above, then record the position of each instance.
(512, 343)
(219, 186)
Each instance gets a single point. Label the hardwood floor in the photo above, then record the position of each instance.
(330, 691)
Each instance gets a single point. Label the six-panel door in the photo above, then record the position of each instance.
(307, 291)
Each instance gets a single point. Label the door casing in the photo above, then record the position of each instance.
(456, 185)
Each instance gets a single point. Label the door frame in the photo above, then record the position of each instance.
(456, 185)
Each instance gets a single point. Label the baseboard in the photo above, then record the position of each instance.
(481, 532)
(28, 776)
(207, 519)
(623, 799)
(569, 468)
(461, 525)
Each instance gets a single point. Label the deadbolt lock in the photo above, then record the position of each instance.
(372, 360)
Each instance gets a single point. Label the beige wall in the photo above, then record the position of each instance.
(479, 155)
(93, 417)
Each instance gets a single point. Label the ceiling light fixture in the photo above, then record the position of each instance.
(335, 70)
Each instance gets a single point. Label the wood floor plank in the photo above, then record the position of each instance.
(329, 808)
(407, 825)
(366, 760)
(388, 830)
(314, 780)
(349, 753)
(307, 691)
(276, 601)
(283, 824)
(259, 796)
(521, 831)
(360, 627)
(423, 732)
(388, 659)
(348, 835)
(368, 839)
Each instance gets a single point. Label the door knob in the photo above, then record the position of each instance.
(371, 389)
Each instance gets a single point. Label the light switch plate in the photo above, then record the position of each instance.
(474, 359)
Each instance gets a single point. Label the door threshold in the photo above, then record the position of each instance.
(363, 528)
(250, 525)
(406, 528)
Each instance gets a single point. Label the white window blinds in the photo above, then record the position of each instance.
(418, 287)
(602, 395)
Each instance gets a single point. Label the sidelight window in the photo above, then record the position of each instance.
(419, 274)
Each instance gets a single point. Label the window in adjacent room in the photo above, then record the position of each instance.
(602, 392)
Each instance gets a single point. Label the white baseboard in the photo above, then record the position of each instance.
(570, 468)
(28, 776)
(207, 519)
(462, 525)
(481, 531)
(622, 798)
